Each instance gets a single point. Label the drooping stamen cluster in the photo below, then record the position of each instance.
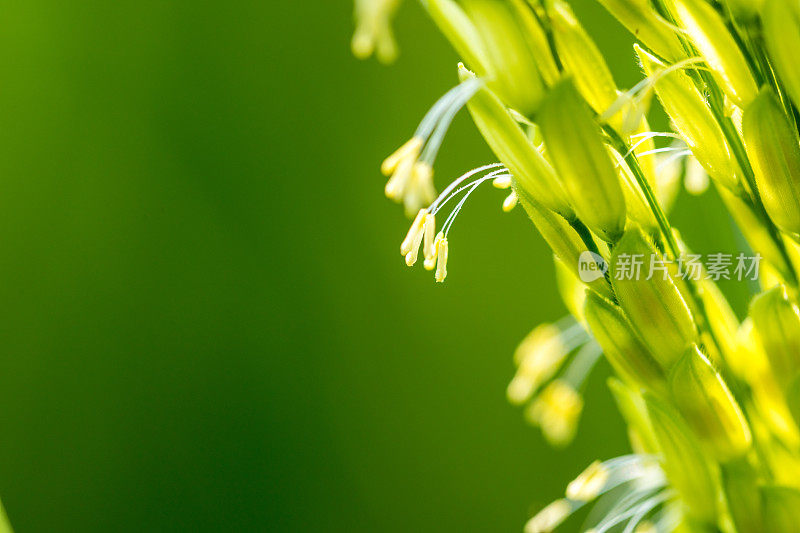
(632, 487)
(423, 229)
(374, 30)
(553, 115)
(410, 167)
(553, 362)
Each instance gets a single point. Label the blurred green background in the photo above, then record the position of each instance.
(205, 322)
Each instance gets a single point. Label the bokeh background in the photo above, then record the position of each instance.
(205, 323)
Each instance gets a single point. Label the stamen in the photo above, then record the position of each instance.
(556, 410)
(646, 137)
(419, 191)
(411, 165)
(423, 173)
(414, 232)
(551, 516)
(430, 262)
(429, 228)
(491, 175)
(433, 207)
(541, 354)
(463, 93)
(615, 472)
(696, 180)
(638, 92)
(502, 182)
(443, 104)
(640, 510)
(671, 159)
(588, 485)
(441, 259)
(413, 145)
(582, 364)
(397, 184)
(373, 30)
(457, 209)
(510, 202)
(411, 256)
(662, 150)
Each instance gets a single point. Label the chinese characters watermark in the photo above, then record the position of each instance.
(716, 266)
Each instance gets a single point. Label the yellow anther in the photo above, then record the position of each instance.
(411, 256)
(423, 181)
(556, 410)
(429, 229)
(588, 485)
(430, 262)
(414, 232)
(410, 149)
(538, 356)
(520, 389)
(401, 178)
(549, 518)
(419, 190)
(696, 180)
(441, 259)
(502, 182)
(510, 202)
(373, 30)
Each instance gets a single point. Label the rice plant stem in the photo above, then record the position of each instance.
(586, 236)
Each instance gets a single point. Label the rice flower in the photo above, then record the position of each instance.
(692, 117)
(642, 21)
(621, 344)
(711, 403)
(581, 159)
(781, 20)
(708, 33)
(656, 306)
(684, 461)
(777, 323)
(774, 151)
(708, 406)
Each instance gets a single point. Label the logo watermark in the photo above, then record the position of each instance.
(693, 267)
(591, 266)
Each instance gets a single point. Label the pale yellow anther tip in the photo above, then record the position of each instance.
(502, 182)
(520, 389)
(441, 260)
(362, 45)
(549, 518)
(399, 182)
(414, 233)
(510, 202)
(588, 485)
(410, 149)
